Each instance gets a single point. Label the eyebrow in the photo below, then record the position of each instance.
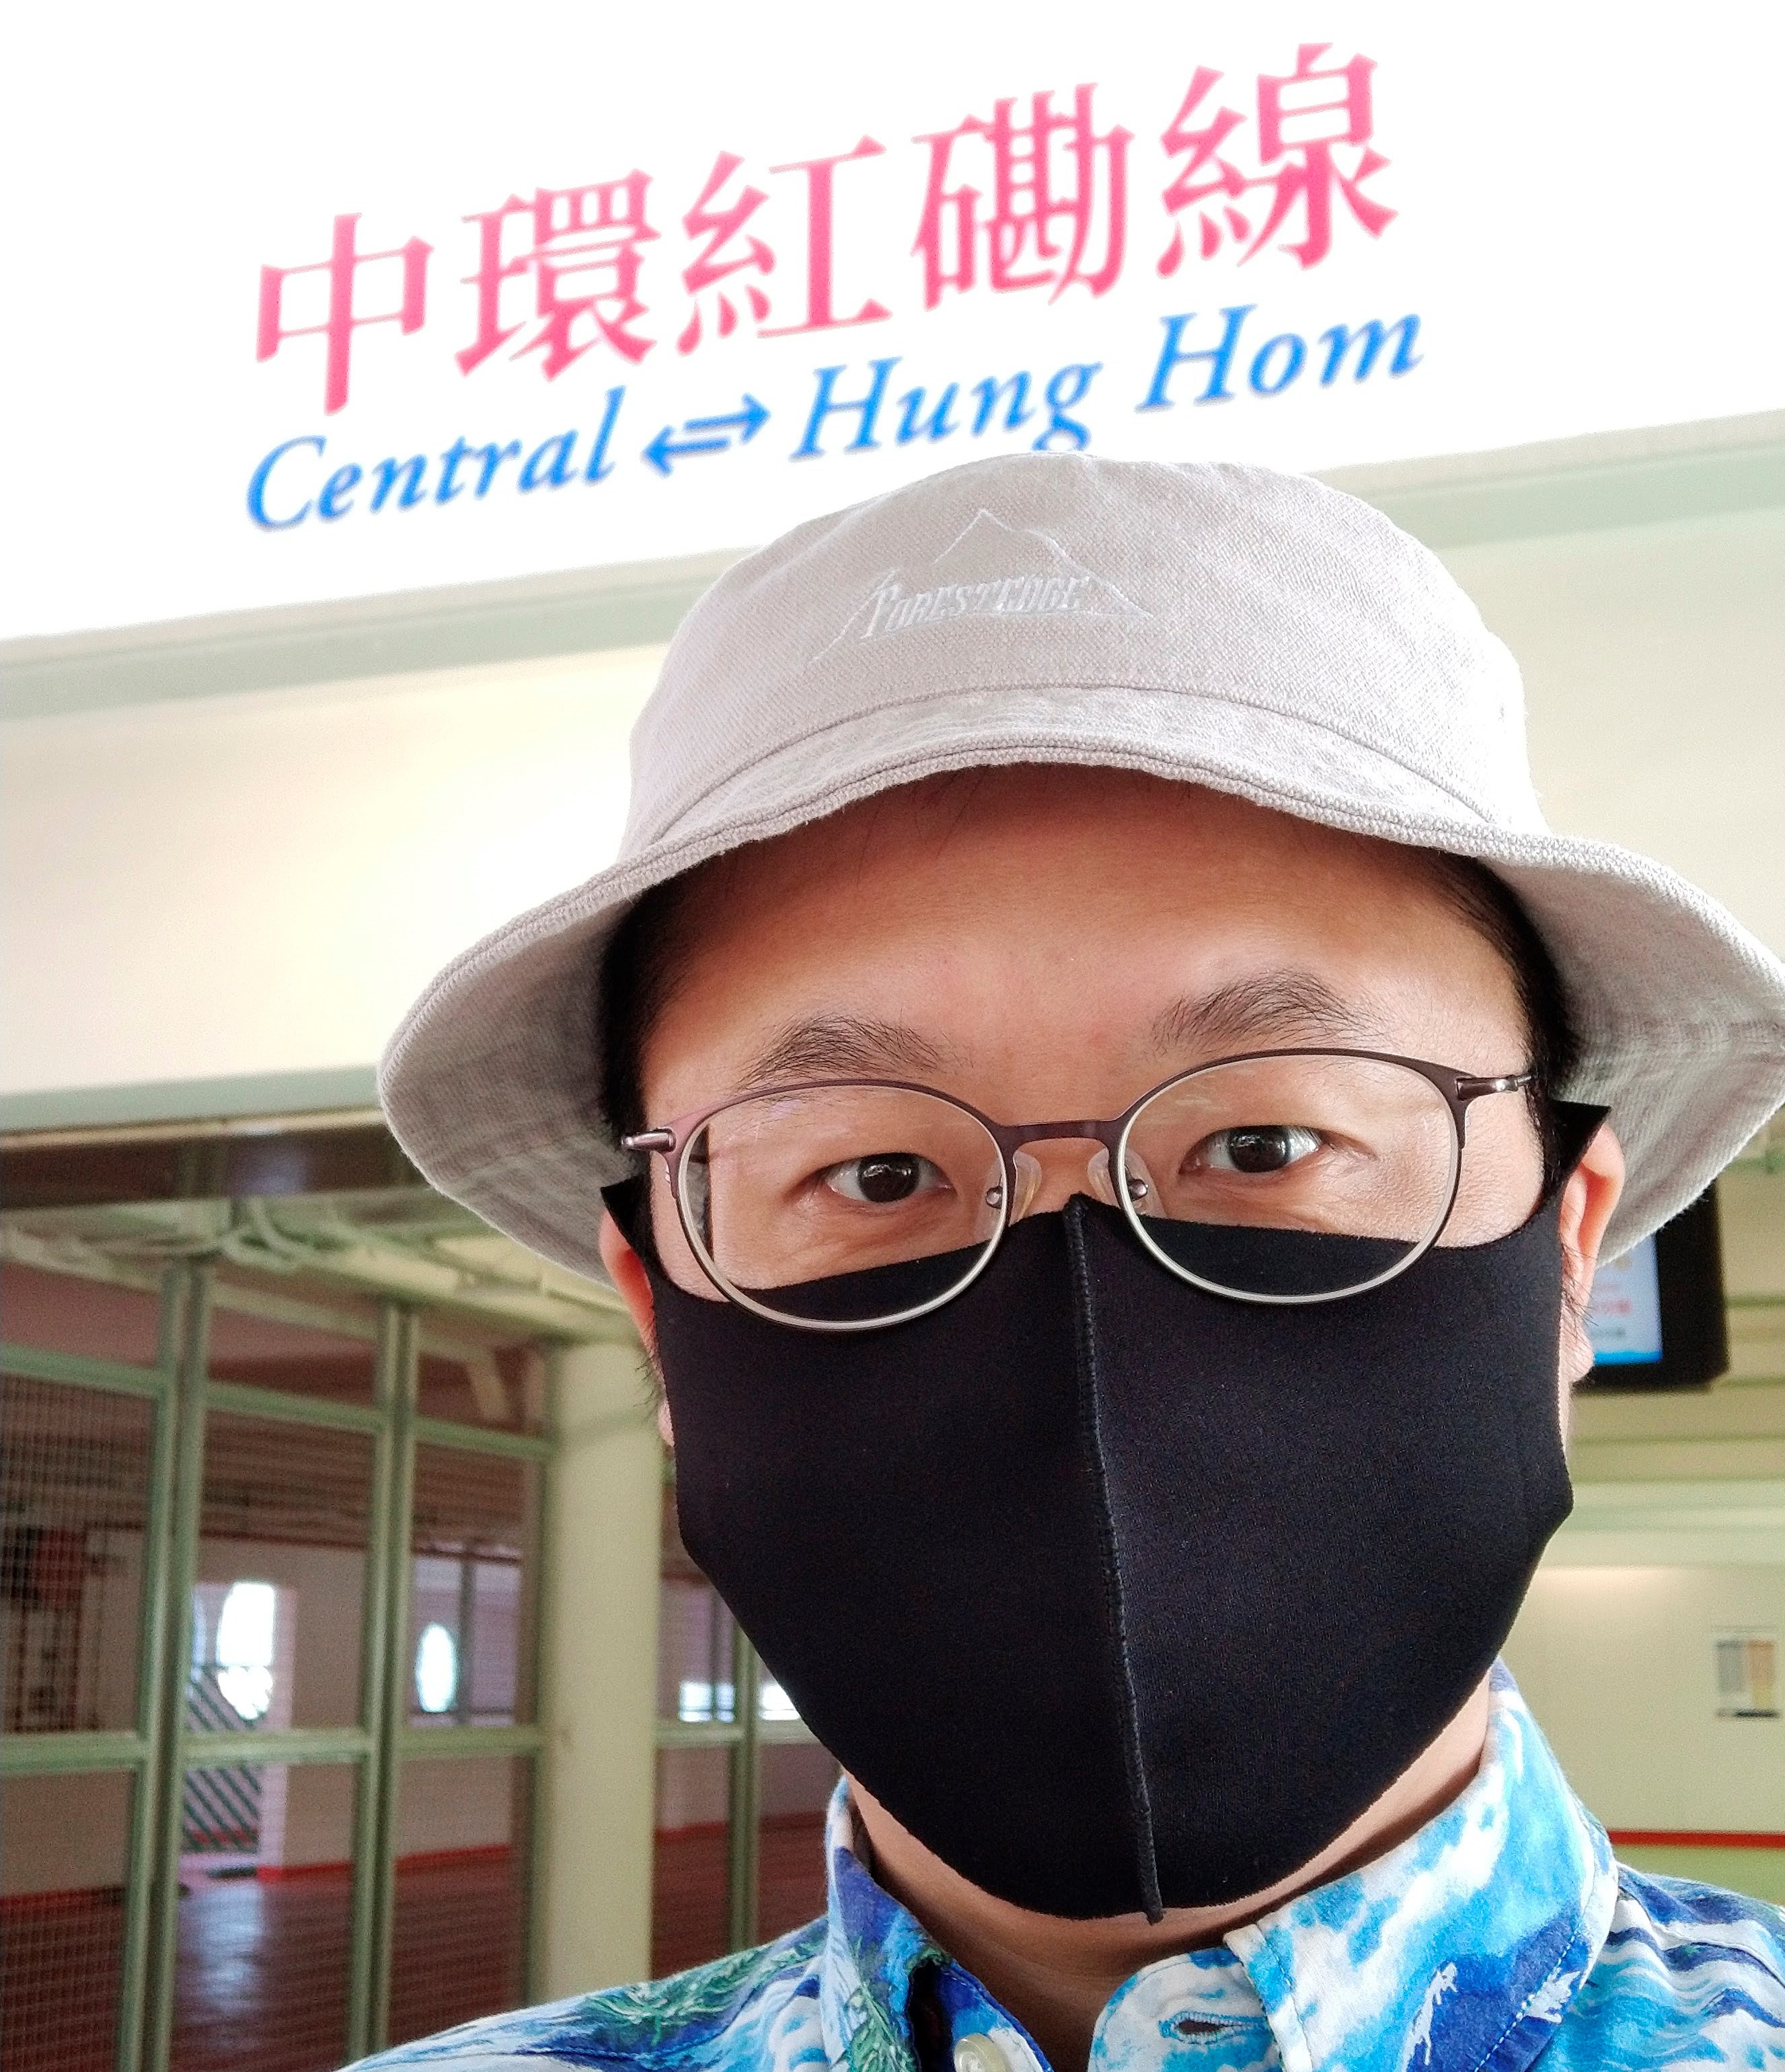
(840, 1044)
(1276, 1007)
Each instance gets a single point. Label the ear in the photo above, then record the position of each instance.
(627, 1272)
(1587, 1199)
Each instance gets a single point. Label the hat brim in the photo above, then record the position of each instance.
(492, 1083)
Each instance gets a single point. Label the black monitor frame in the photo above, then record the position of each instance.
(1695, 1330)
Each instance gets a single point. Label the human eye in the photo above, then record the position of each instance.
(1255, 1147)
(881, 1179)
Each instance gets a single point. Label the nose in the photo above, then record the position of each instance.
(1051, 1172)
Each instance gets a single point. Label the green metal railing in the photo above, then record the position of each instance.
(164, 1746)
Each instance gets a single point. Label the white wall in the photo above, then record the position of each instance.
(694, 1788)
(1752, 1202)
(457, 1802)
(1617, 1664)
(694, 1784)
(261, 883)
(63, 1834)
(319, 1593)
(318, 1814)
(1654, 660)
(66, 1315)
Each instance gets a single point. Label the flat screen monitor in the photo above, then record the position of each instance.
(1657, 1318)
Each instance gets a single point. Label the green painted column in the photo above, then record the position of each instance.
(168, 1768)
(386, 1539)
(177, 1291)
(388, 1576)
(743, 1855)
(599, 1660)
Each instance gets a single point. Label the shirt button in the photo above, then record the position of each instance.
(979, 2053)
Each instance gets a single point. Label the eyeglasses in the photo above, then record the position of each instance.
(848, 1205)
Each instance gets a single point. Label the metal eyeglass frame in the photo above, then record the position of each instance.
(673, 1141)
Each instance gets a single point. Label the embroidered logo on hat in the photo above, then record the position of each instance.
(990, 570)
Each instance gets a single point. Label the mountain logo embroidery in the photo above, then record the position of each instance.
(991, 570)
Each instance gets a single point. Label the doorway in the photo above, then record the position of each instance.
(269, 1555)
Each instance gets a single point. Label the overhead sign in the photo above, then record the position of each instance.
(527, 292)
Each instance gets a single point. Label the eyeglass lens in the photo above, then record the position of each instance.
(1299, 1176)
(1293, 1176)
(803, 1201)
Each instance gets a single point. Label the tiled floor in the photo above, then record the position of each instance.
(262, 1981)
(263, 1965)
(59, 1978)
(263, 1968)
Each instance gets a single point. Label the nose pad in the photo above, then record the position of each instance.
(1030, 1174)
(1141, 1191)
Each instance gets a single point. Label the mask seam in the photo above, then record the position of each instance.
(1140, 1802)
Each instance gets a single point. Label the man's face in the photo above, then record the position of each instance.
(1055, 942)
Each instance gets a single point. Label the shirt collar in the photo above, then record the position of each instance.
(1461, 1947)
(1458, 1951)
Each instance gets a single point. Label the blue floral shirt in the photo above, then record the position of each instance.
(1501, 1932)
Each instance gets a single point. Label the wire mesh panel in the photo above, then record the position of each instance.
(282, 1572)
(265, 1354)
(696, 1688)
(458, 1933)
(797, 1780)
(262, 1976)
(63, 1844)
(694, 1651)
(471, 1589)
(690, 1858)
(59, 1313)
(695, 1854)
(268, 1854)
(74, 1495)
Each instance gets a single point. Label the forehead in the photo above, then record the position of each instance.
(1130, 847)
(1073, 904)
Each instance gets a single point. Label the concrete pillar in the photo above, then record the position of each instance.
(598, 1684)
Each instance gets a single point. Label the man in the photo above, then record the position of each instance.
(1108, 1098)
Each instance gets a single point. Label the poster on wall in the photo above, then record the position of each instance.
(367, 301)
(1747, 1672)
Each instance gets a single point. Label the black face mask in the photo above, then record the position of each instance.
(1120, 1596)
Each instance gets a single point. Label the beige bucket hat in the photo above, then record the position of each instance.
(1226, 625)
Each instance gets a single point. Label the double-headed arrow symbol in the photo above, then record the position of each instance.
(747, 423)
